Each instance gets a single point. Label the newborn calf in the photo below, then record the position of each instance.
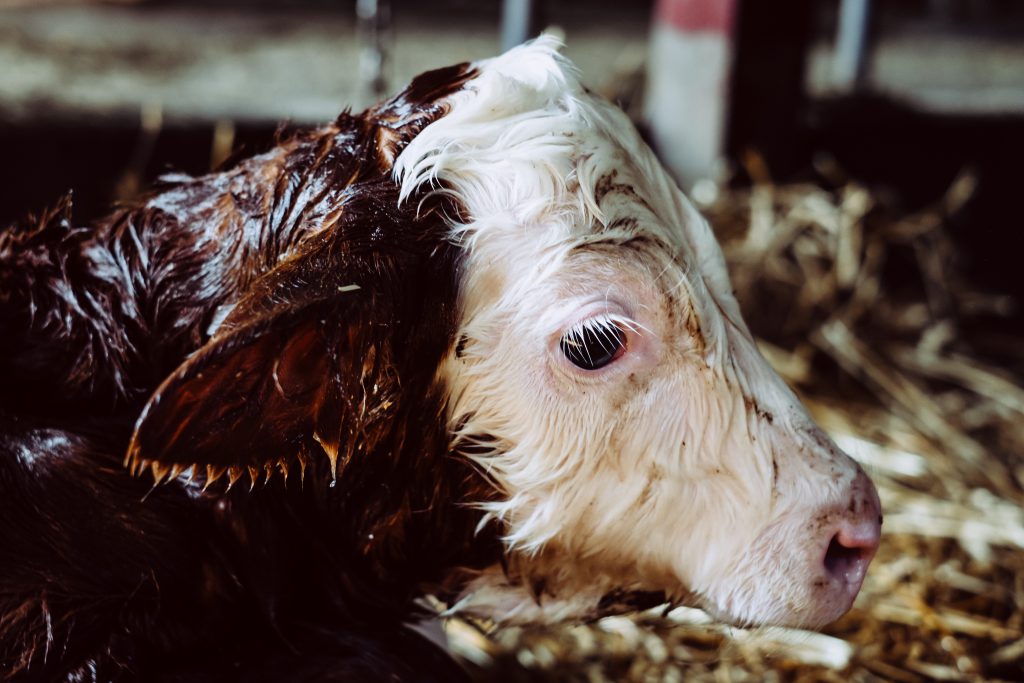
(472, 342)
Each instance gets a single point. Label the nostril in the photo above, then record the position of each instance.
(855, 541)
(848, 554)
(839, 559)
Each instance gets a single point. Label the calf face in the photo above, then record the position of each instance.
(518, 268)
(605, 381)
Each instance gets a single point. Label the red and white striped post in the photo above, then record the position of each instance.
(688, 77)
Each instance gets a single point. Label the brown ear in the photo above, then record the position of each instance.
(250, 399)
(326, 355)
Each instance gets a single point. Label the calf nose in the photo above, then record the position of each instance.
(855, 538)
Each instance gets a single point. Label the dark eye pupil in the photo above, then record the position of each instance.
(593, 346)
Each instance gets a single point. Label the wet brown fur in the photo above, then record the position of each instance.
(318, 392)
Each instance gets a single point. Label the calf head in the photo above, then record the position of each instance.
(589, 357)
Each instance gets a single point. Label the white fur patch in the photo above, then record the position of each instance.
(684, 466)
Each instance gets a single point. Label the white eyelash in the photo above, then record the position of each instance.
(599, 325)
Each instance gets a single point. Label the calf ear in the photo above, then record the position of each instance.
(326, 369)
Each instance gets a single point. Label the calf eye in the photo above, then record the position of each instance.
(593, 344)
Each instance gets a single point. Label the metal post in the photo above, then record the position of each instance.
(850, 58)
(373, 19)
(518, 22)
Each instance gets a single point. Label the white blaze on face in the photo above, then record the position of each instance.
(606, 381)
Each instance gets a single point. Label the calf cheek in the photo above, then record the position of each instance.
(701, 496)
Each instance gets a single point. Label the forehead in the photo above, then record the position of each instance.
(640, 270)
(638, 204)
(546, 174)
(634, 278)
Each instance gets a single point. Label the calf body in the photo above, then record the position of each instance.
(473, 342)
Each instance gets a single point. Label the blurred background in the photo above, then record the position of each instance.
(903, 94)
(861, 161)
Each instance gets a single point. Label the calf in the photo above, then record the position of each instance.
(472, 342)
